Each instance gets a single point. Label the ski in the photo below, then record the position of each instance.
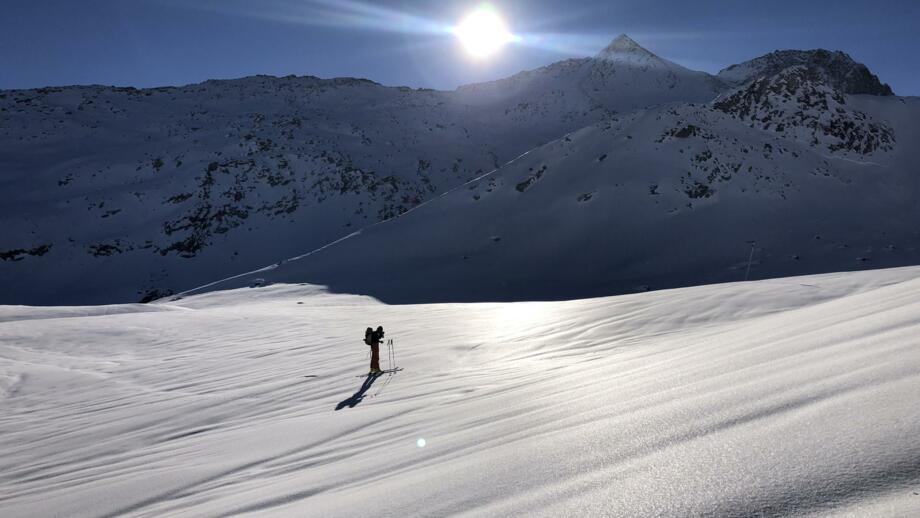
(387, 371)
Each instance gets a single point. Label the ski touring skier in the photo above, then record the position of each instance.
(373, 339)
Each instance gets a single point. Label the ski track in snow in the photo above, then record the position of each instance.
(213, 284)
(853, 161)
(769, 398)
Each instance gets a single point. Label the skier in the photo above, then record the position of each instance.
(373, 338)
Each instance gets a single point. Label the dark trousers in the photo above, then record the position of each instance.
(375, 356)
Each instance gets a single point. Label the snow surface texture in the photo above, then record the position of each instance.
(785, 397)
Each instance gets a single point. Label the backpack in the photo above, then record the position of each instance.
(367, 335)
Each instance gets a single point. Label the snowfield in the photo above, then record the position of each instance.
(794, 396)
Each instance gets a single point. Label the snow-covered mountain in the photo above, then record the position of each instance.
(788, 397)
(837, 69)
(786, 174)
(118, 194)
(637, 174)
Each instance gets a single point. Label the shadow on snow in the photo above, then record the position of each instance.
(358, 396)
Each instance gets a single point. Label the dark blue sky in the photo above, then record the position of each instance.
(170, 42)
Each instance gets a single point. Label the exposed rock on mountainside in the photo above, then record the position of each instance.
(797, 103)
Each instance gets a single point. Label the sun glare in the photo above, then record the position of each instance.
(483, 32)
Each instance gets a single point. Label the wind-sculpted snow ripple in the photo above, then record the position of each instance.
(773, 398)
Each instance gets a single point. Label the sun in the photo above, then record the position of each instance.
(483, 32)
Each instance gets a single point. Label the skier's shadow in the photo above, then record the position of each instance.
(358, 396)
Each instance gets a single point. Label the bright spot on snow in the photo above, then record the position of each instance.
(483, 32)
(420, 443)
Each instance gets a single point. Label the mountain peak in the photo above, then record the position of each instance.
(839, 69)
(623, 46)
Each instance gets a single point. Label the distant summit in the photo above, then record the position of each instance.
(623, 47)
(837, 68)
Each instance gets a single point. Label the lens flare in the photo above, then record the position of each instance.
(420, 443)
(483, 32)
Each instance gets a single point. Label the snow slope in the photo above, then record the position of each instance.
(785, 397)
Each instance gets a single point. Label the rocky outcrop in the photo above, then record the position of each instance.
(801, 103)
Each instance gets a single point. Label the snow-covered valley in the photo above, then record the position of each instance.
(784, 397)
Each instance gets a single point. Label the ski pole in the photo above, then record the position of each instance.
(393, 349)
